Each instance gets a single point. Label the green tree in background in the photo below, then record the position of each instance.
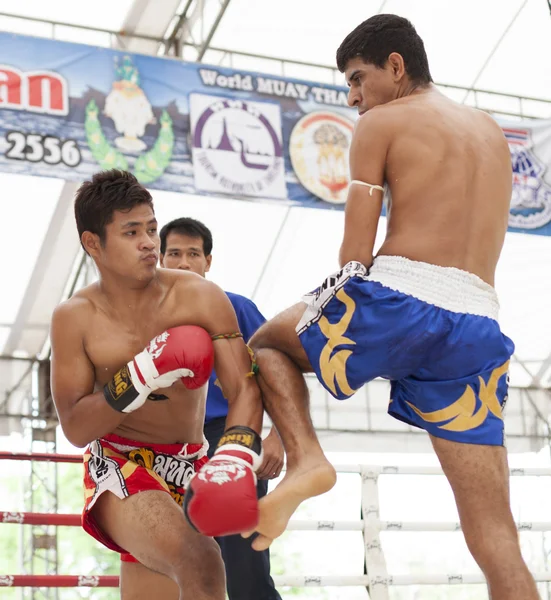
(78, 553)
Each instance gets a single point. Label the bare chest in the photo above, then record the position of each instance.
(110, 344)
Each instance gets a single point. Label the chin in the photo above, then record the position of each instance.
(147, 274)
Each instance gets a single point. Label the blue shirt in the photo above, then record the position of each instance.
(249, 319)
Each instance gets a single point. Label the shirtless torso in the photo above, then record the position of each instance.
(448, 169)
(110, 338)
(104, 325)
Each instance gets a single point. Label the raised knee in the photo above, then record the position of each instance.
(259, 339)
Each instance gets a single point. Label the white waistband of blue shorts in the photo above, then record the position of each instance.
(446, 287)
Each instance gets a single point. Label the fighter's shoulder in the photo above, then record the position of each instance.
(488, 129)
(178, 281)
(75, 311)
(378, 116)
(486, 120)
(379, 122)
(188, 285)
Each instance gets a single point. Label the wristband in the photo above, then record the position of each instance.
(241, 436)
(120, 392)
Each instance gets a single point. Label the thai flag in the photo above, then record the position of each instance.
(526, 167)
(517, 137)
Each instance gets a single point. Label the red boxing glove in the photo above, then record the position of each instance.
(184, 353)
(221, 499)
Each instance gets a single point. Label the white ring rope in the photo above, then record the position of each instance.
(298, 525)
(407, 470)
(365, 580)
(378, 580)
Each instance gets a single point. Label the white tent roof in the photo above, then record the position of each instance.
(484, 43)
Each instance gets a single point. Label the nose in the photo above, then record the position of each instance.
(354, 97)
(183, 265)
(147, 243)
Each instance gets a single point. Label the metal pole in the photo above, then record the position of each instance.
(175, 32)
(205, 45)
(494, 49)
(137, 36)
(269, 257)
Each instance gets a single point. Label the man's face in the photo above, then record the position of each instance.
(131, 247)
(369, 85)
(185, 252)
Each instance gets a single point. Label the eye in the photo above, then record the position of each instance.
(130, 233)
(153, 230)
(194, 254)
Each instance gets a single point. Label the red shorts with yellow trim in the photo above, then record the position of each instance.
(126, 467)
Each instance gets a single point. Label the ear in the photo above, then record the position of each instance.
(162, 260)
(397, 66)
(209, 261)
(91, 243)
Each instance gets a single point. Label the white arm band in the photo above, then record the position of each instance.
(373, 187)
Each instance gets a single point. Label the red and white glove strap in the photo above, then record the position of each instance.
(143, 366)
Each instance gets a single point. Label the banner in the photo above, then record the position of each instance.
(530, 147)
(69, 110)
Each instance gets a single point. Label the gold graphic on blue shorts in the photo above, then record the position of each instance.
(462, 414)
(333, 364)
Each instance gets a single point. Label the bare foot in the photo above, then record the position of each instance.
(299, 484)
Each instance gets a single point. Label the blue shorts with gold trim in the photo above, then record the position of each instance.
(432, 331)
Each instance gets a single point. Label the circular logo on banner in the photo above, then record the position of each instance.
(531, 197)
(237, 148)
(319, 147)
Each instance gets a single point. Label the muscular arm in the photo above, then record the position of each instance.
(83, 414)
(232, 361)
(363, 206)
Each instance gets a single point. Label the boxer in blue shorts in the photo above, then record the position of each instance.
(422, 311)
(432, 331)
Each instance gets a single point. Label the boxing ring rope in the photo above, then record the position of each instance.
(57, 581)
(380, 470)
(42, 457)
(66, 520)
(56, 520)
(378, 579)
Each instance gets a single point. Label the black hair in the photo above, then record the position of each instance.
(190, 227)
(97, 200)
(377, 38)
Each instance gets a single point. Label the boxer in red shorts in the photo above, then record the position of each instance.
(131, 356)
(125, 467)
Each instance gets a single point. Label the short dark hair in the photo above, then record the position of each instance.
(97, 200)
(191, 228)
(377, 38)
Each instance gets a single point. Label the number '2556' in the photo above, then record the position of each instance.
(38, 148)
